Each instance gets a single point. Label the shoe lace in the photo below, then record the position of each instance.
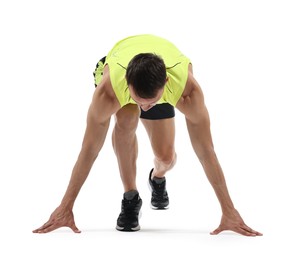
(129, 207)
(159, 192)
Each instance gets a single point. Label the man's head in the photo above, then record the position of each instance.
(146, 77)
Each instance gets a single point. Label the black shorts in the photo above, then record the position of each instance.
(159, 111)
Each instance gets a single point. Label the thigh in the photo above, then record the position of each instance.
(127, 117)
(161, 134)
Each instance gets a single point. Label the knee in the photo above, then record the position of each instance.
(167, 159)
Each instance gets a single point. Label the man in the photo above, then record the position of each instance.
(145, 77)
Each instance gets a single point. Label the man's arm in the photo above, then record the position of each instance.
(193, 107)
(98, 119)
(103, 105)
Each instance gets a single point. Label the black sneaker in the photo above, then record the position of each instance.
(159, 196)
(128, 219)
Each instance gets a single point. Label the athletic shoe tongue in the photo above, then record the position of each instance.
(130, 194)
(158, 180)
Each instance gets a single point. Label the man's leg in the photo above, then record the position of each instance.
(161, 134)
(125, 144)
(126, 149)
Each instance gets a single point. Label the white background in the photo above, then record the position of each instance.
(48, 50)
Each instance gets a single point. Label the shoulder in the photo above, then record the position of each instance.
(104, 97)
(105, 88)
(191, 102)
(192, 87)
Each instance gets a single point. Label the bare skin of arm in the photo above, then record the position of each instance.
(192, 105)
(98, 120)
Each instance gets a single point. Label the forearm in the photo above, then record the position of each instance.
(200, 136)
(216, 178)
(79, 174)
(92, 143)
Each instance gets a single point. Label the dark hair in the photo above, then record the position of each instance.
(146, 73)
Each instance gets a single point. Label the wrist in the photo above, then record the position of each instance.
(228, 210)
(67, 204)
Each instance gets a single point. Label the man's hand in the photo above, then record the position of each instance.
(59, 218)
(234, 222)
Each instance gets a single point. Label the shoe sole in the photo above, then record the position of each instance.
(159, 208)
(128, 229)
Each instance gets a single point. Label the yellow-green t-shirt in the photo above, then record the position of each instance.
(176, 66)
